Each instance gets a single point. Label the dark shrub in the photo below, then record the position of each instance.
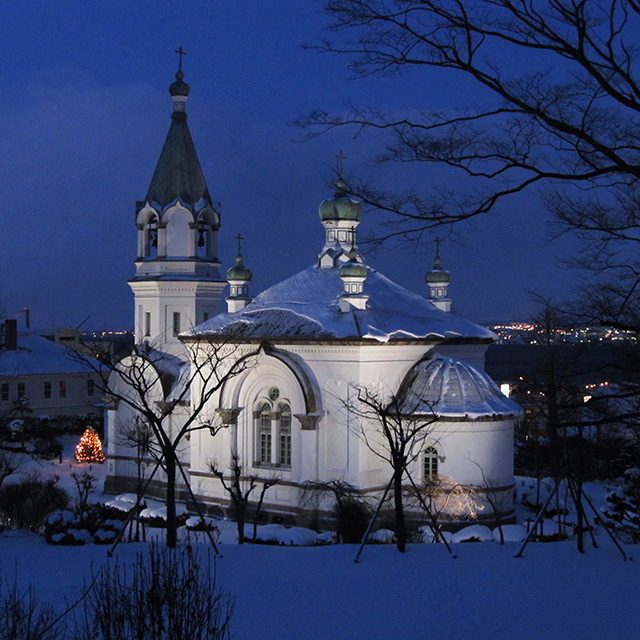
(26, 504)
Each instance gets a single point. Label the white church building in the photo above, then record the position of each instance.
(310, 342)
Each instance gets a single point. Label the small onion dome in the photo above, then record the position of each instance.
(353, 268)
(341, 206)
(239, 273)
(449, 387)
(179, 88)
(438, 275)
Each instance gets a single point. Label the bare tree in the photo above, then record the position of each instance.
(136, 435)
(171, 397)
(394, 432)
(240, 485)
(565, 118)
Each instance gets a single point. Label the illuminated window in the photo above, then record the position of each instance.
(430, 462)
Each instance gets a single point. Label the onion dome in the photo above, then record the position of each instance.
(438, 275)
(179, 88)
(341, 206)
(452, 388)
(239, 273)
(353, 268)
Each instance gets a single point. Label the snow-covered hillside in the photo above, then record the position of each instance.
(319, 593)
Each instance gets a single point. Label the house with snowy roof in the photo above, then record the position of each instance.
(43, 377)
(309, 343)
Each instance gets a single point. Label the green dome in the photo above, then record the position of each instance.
(438, 275)
(353, 268)
(239, 273)
(341, 206)
(179, 88)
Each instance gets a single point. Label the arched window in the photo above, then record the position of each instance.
(203, 232)
(285, 436)
(430, 464)
(151, 238)
(264, 434)
(273, 430)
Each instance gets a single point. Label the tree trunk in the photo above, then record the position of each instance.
(401, 533)
(172, 525)
(240, 519)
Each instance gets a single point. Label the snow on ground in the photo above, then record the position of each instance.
(319, 593)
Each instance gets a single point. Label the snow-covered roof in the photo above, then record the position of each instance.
(36, 355)
(452, 388)
(305, 306)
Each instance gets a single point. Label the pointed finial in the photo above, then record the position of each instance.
(339, 164)
(181, 52)
(239, 238)
(437, 263)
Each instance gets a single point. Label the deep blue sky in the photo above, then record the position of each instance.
(84, 110)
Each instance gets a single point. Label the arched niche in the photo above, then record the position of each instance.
(178, 223)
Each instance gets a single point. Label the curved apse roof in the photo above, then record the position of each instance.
(305, 306)
(448, 387)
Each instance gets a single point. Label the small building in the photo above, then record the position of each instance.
(43, 377)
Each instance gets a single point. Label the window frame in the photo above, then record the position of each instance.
(430, 464)
(273, 431)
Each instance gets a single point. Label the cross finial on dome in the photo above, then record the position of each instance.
(239, 238)
(340, 157)
(181, 52)
(437, 263)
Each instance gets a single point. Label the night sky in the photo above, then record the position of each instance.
(84, 110)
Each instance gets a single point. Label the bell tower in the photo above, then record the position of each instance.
(177, 282)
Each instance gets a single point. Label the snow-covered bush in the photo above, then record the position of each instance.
(297, 537)
(382, 536)
(425, 535)
(196, 523)
(97, 523)
(156, 516)
(621, 509)
(474, 533)
(268, 532)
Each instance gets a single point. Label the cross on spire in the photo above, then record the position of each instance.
(239, 238)
(438, 241)
(181, 52)
(340, 157)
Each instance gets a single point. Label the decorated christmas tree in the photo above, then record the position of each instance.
(89, 449)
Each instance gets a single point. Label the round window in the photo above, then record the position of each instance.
(274, 393)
